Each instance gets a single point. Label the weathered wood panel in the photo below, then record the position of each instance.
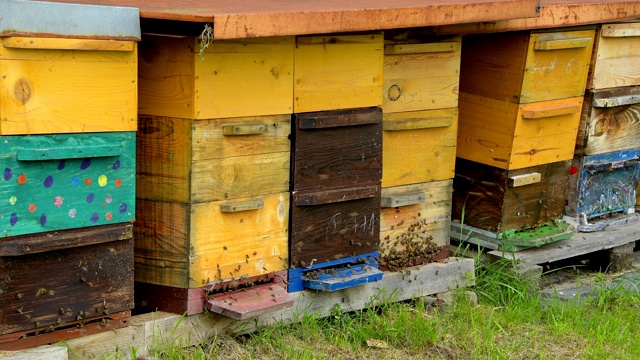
(418, 146)
(610, 121)
(194, 160)
(410, 234)
(55, 182)
(336, 228)
(53, 89)
(336, 148)
(421, 73)
(338, 72)
(603, 184)
(189, 245)
(52, 288)
(228, 79)
(616, 60)
(483, 198)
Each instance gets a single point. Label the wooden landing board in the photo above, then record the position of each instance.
(555, 13)
(154, 328)
(579, 244)
(257, 18)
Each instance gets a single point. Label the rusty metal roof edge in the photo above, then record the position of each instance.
(69, 20)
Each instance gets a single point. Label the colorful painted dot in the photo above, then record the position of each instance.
(108, 199)
(90, 197)
(88, 181)
(102, 180)
(61, 164)
(8, 174)
(108, 216)
(85, 164)
(573, 170)
(48, 181)
(118, 182)
(43, 219)
(58, 200)
(32, 208)
(22, 179)
(123, 207)
(73, 213)
(13, 219)
(13, 200)
(116, 165)
(95, 217)
(75, 181)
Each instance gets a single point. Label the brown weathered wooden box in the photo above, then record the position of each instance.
(500, 200)
(68, 278)
(414, 224)
(524, 67)
(336, 148)
(334, 223)
(516, 136)
(337, 72)
(185, 77)
(616, 56)
(610, 121)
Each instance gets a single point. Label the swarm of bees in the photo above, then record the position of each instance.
(412, 247)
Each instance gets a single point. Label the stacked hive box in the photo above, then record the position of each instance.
(336, 161)
(213, 174)
(604, 174)
(520, 102)
(420, 104)
(67, 139)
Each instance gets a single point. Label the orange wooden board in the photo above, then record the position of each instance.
(258, 18)
(553, 14)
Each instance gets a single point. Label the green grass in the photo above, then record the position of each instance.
(508, 322)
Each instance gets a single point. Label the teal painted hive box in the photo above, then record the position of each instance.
(56, 182)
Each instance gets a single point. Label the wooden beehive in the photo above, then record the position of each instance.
(603, 184)
(186, 78)
(420, 72)
(213, 199)
(616, 59)
(56, 182)
(63, 279)
(338, 72)
(610, 121)
(414, 224)
(56, 85)
(524, 67)
(499, 200)
(517, 136)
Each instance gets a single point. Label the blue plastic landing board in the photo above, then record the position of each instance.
(341, 278)
(298, 276)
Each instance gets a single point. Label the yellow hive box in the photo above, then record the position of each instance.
(514, 136)
(338, 72)
(188, 160)
(524, 67)
(189, 245)
(415, 222)
(418, 146)
(179, 77)
(53, 85)
(421, 75)
(616, 60)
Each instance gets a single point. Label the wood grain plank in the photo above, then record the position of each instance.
(275, 18)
